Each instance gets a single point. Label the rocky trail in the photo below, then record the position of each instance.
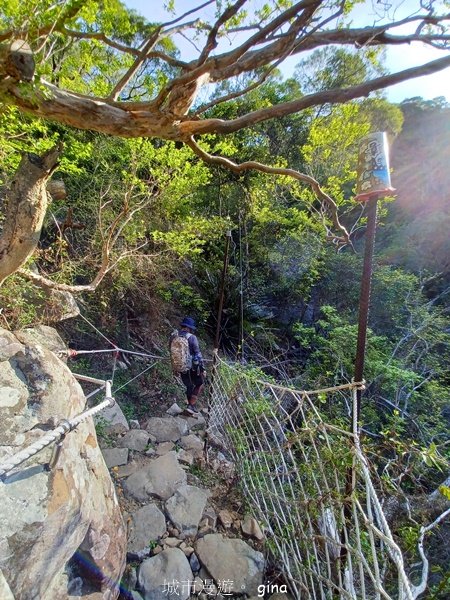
(189, 535)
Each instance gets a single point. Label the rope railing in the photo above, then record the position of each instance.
(57, 434)
(293, 453)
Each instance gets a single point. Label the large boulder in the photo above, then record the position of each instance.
(185, 508)
(166, 576)
(135, 439)
(147, 525)
(160, 479)
(231, 560)
(166, 429)
(52, 520)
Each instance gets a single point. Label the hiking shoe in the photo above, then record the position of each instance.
(192, 408)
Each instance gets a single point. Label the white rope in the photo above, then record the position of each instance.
(72, 352)
(293, 463)
(345, 386)
(55, 434)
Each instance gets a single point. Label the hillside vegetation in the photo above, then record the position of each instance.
(138, 231)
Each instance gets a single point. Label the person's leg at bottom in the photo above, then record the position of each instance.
(198, 384)
(189, 385)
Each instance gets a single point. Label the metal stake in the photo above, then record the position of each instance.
(364, 299)
(222, 290)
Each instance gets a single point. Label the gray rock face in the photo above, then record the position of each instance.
(161, 478)
(135, 439)
(44, 335)
(147, 525)
(185, 508)
(231, 559)
(166, 429)
(73, 508)
(114, 457)
(59, 305)
(5, 590)
(158, 576)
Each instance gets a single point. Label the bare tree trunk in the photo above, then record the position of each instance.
(26, 205)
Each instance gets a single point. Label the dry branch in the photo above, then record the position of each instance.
(331, 207)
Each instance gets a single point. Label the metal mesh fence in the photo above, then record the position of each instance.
(309, 484)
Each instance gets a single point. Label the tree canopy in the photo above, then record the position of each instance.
(98, 65)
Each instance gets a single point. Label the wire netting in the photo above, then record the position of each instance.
(308, 483)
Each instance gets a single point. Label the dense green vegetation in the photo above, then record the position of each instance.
(291, 296)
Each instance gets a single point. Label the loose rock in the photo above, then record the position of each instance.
(174, 410)
(186, 457)
(115, 457)
(161, 478)
(135, 439)
(194, 562)
(232, 559)
(164, 448)
(185, 508)
(168, 566)
(196, 423)
(172, 542)
(250, 527)
(192, 444)
(166, 429)
(147, 525)
(226, 518)
(114, 416)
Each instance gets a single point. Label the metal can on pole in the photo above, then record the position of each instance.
(374, 182)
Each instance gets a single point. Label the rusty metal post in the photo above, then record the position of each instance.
(219, 316)
(373, 183)
(364, 302)
(217, 338)
(222, 290)
(364, 298)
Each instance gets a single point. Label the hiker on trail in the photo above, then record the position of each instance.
(187, 360)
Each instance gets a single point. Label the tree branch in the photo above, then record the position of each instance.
(148, 45)
(334, 96)
(211, 41)
(189, 12)
(419, 589)
(331, 206)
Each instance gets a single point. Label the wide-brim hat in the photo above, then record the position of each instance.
(189, 322)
